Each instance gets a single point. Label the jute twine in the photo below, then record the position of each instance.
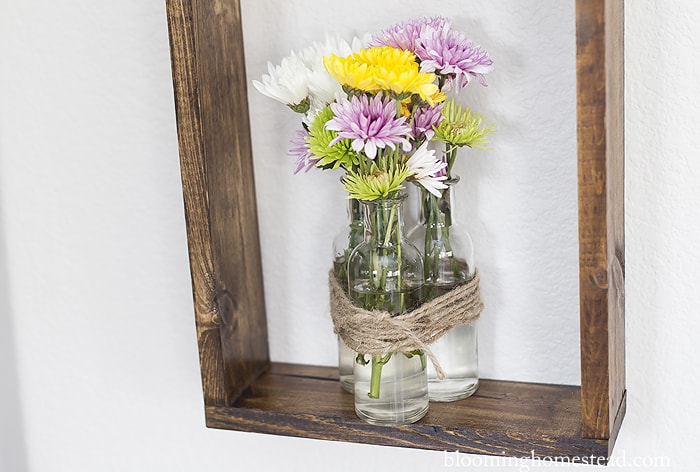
(378, 332)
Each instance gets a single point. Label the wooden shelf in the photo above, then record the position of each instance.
(244, 391)
(502, 418)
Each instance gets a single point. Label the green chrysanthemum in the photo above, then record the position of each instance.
(460, 127)
(330, 157)
(376, 184)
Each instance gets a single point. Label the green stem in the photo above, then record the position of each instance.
(451, 155)
(438, 234)
(399, 282)
(386, 228)
(386, 281)
(389, 226)
(438, 222)
(376, 378)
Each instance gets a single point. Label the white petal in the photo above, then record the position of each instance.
(433, 184)
(423, 166)
(287, 82)
(423, 162)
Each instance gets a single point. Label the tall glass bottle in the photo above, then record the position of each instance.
(385, 272)
(347, 238)
(448, 262)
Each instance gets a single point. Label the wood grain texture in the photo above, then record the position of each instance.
(219, 192)
(601, 212)
(508, 418)
(194, 189)
(615, 158)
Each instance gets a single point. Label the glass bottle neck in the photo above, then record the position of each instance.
(356, 211)
(438, 211)
(356, 222)
(384, 221)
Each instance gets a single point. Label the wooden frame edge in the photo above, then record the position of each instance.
(195, 196)
(600, 105)
(219, 190)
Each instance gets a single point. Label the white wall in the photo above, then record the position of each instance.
(518, 201)
(98, 356)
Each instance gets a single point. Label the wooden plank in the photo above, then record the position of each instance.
(219, 190)
(502, 418)
(194, 189)
(231, 185)
(601, 212)
(615, 158)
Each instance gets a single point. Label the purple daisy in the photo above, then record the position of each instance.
(300, 150)
(440, 49)
(407, 35)
(449, 53)
(370, 124)
(424, 119)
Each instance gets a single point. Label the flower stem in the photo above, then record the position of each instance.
(389, 226)
(376, 378)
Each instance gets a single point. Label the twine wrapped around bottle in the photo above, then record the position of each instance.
(379, 333)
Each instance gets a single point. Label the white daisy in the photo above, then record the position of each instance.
(286, 82)
(424, 166)
(302, 82)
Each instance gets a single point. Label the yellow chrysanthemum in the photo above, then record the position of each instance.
(351, 73)
(384, 68)
(438, 97)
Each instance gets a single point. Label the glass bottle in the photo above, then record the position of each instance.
(345, 241)
(448, 262)
(385, 272)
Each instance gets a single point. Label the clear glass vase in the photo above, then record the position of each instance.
(448, 262)
(346, 239)
(385, 273)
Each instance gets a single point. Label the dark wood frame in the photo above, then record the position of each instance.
(244, 391)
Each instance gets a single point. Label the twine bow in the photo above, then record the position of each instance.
(378, 332)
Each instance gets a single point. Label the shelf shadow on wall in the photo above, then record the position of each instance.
(13, 452)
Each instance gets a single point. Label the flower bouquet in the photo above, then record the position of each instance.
(371, 108)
